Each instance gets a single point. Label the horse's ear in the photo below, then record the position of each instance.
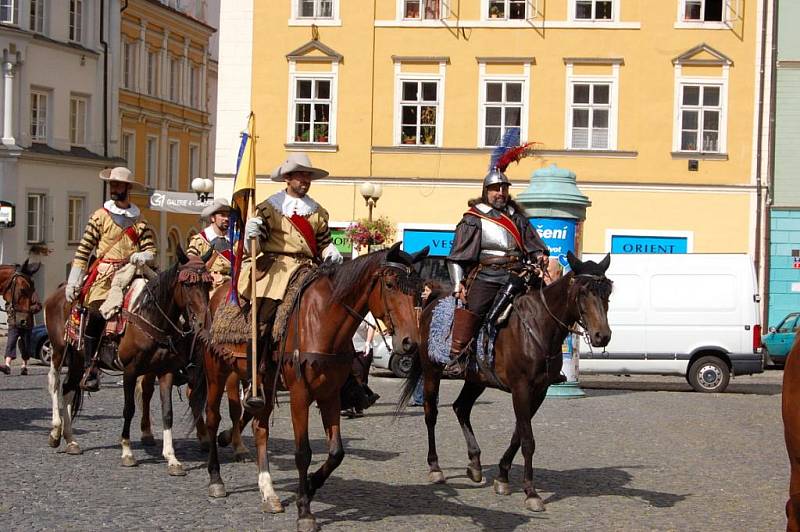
(182, 258)
(574, 262)
(23, 267)
(605, 263)
(395, 252)
(31, 269)
(207, 255)
(419, 255)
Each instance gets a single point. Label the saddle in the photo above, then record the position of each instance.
(115, 326)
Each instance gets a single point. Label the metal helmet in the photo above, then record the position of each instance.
(495, 176)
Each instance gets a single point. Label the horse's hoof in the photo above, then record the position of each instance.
(53, 442)
(242, 456)
(502, 488)
(272, 505)
(205, 446)
(436, 477)
(474, 474)
(307, 524)
(217, 491)
(534, 504)
(129, 461)
(148, 440)
(224, 438)
(176, 470)
(73, 448)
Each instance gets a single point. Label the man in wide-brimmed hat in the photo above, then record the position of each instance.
(117, 234)
(215, 237)
(290, 229)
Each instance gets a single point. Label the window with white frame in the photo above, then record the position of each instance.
(75, 215)
(503, 109)
(152, 162)
(703, 10)
(77, 120)
(593, 10)
(152, 73)
(128, 64)
(8, 11)
(508, 9)
(423, 9)
(315, 8)
(590, 115)
(37, 217)
(194, 161)
(420, 112)
(76, 20)
(174, 79)
(36, 22)
(194, 86)
(128, 151)
(39, 116)
(701, 118)
(312, 110)
(173, 156)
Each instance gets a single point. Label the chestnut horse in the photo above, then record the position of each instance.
(790, 408)
(527, 359)
(145, 347)
(314, 361)
(19, 292)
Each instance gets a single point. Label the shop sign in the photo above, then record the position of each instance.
(342, 243)
(632, 244)
(178, 202)
(438, 241)
(558, 234)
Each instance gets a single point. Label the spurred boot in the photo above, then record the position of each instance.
(465, 326)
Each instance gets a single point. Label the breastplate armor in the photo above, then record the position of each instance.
(496, 240)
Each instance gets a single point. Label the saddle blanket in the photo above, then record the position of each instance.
(440, 339)
(115, 325)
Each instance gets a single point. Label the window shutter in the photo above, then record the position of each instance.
(444, 9)
(533, 9)
(733, 12)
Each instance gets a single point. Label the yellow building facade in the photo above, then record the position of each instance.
(164, 116)
(652, 104)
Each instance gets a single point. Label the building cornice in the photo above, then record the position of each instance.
(594, 61)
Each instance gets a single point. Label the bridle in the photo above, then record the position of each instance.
(12, 285)
(584, 330)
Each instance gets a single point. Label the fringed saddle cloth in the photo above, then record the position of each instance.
(115, 325)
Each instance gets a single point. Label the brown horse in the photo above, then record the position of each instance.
(18, 291)
(791, 427)
(145, 347)
(527, 360)
(315, 361)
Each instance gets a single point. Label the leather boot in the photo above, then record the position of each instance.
(465, 326)
(91, 376)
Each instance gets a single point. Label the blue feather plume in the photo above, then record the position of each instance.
(510, 140)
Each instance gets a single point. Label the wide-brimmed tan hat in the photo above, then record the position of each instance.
(297, 162)
(219, 205)
(120, 174)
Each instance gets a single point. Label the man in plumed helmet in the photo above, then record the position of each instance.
(492, 242)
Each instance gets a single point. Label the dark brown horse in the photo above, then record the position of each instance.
(316, 362)
(155, 341)
(527, 359)
(791, 427)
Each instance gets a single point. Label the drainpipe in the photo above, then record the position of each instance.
(104, 43)
(771, 159)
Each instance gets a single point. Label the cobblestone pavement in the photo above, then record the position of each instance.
(636, 454)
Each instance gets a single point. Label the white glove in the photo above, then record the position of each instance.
(73, 284)
(141, 258)
(332, 254)
(252, 229)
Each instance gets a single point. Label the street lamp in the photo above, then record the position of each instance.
(203, 188)
(371, 194)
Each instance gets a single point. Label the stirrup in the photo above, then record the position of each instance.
(253, 403)
(85, 381)
(457, 366)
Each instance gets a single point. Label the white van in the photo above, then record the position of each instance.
(694, 315)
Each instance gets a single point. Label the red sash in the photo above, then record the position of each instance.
(503, 221)
(302, 224)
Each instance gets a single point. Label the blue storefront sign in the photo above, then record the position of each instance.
(649, 244)
(558, 234)
(439, 241)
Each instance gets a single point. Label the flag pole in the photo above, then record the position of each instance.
(256, 400)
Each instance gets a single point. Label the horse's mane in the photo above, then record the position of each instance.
(159, 291)
(348, 275)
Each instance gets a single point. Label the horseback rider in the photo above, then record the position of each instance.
(118, 235)
(493, 241)
(290, 229)
(215, 237)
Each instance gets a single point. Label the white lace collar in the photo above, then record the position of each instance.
(211, 234)
(288, 205)
(486, 209)
(131, 212)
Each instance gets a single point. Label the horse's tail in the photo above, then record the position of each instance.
(199, 393)
(409, 385)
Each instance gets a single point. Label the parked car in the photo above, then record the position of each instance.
(778, 341)
(385, 358)
(39, 346)
(694, 315)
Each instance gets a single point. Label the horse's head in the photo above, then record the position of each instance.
(20, 294)
(589, 293)
(395, 298)
(192, 288)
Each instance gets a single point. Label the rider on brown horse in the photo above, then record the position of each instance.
(492, 242)
(214, 238)
(290, 229)
(118, 236)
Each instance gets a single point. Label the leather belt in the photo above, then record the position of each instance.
(499, 261)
